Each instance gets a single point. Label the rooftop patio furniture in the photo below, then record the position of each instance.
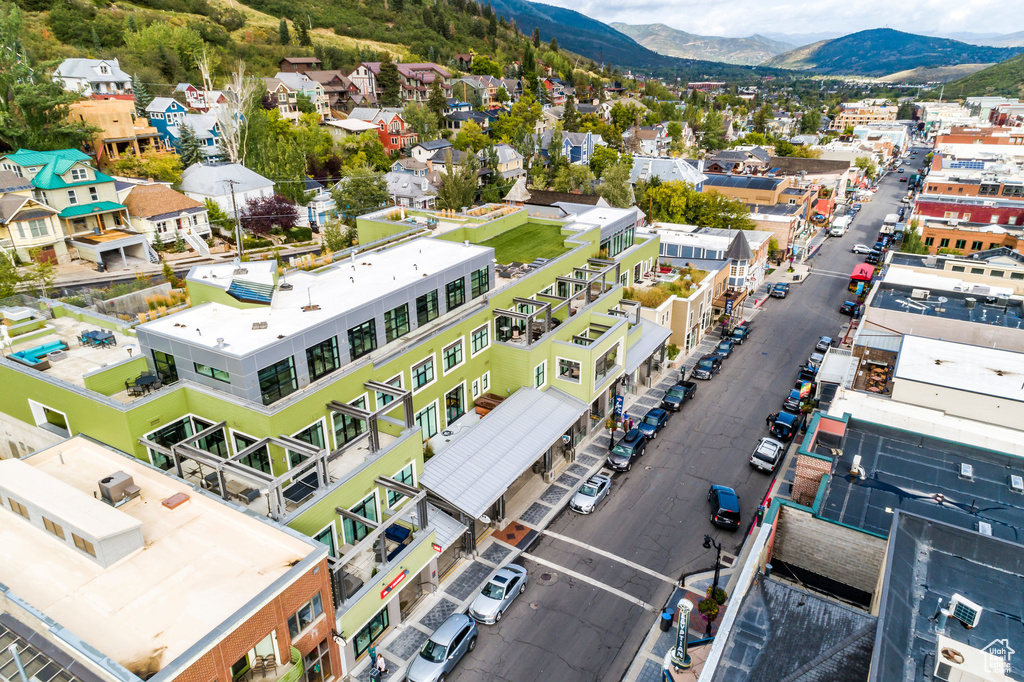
(269, 664)
(257, 666)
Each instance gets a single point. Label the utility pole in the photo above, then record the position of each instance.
(239, 236)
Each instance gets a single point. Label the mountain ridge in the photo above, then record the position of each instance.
(750, 50)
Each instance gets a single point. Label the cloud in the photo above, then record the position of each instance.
(744, 17)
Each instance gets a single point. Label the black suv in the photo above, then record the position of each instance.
(631, 446)
(707, 367)
(725, 507)
(677, 395)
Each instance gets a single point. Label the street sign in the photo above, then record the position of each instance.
(566, 439)
(618, 405)
(728, 307)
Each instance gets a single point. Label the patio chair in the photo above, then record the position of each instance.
(257, 666)
(269, 664)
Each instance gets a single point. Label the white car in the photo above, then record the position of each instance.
(861, 248)
(767, 454)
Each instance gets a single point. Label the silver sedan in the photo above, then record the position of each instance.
(498, 594)
(591, 494)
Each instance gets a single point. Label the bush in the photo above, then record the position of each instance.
(708, 608)
(672, 351)
(719, 595)
(299, 234)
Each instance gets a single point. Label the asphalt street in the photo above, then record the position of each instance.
(569, 629)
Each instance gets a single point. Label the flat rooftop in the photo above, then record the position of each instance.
(976, 369)
(202, 563)
(336, 289)
(929, 561)
(921, 474)
(945, 303)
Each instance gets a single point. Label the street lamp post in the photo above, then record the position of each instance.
(708, 544)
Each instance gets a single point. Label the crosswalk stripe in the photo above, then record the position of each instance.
(590, 581)
(609, 555)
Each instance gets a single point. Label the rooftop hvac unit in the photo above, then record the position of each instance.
(959, 662)
(966, 471)
(1017, 483)
(965, 611)
(118, 488)
(920, 293)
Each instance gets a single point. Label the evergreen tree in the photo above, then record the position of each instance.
(283, 36)
(190, 149)
(571, 116)
(397, 5)
(536, 37)
(389, 83)
(142, 96)
(554, 44)
(302, 34)
(492, 27)
(437, 101)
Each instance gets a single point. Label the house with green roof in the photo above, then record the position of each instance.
(92, 218)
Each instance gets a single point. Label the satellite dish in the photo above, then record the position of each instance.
(942, 299)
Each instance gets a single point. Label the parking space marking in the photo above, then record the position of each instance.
(590, 581)
(609, 555)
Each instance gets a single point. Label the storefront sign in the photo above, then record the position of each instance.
(619, 399)
(393, 584)
(728, 307)
(436, 547)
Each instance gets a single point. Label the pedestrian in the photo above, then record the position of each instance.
(381, 665)
(768, 421)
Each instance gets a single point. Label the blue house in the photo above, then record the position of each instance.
(169, 116)
(577, 148)
(164, 112)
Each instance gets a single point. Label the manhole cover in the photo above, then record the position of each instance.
(648, 468)
(547, 578)
(534, 605)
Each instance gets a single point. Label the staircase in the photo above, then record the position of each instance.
(197, 243)
(151, 254)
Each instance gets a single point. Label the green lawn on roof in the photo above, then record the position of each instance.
(526, 243)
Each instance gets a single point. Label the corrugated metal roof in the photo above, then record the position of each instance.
(835, 368)
(473, 472)
(448, 530)
(651, 337)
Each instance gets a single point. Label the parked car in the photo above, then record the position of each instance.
(653, 422)
(861, 248)
(792, 402)
(807, 373)
(767, 454)
(816, 359)
(678, 394)
(444, 649)
(900, 171)
(849, 308)
(857, 206)
(630, 447)
(707, 367)
(873, 258)
(725, 507)
(740, 334)
(591, 494)
(500, 591)
(785, 426)
(724, 348)
(904, 178)
(780, 290)
(824, 343)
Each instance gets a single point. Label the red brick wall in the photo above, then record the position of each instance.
(809, 471)
(979, 213)
(216, 663)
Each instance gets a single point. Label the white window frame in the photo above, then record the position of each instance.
(543, 365)
(476, 389)
(415, 482)
(401, 384)
(337, 415)
(328, 438)
(558, 369)
(334, 536)
(79, 174)
(460, 342)
(487, 326)
(376, 501)
(39, 416)
(465, 397)
(412, 373)
(485, 382)
(437, 414)
(72, 197)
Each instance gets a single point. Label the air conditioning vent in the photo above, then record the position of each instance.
(1017, 484)
(985, 528)
(965, 611)
(118, 488)
(942, 671)
(966, 471)
(922, 294)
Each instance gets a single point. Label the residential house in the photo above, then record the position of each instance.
(199, 99)
(229, 185)
(286, 88)
(554, 91)
(164, 112)
(423, 151)
(411, 190)
(651, 140)
(320, 205)
(479, 90)
(121, 132)
(29, 229)
(412, 166)
(667, 169)
(347, 127)
(454, 105)
(95, 78)
(342, 94)
(81, 597)
(392, 130)
(463, 62)
(163, 215)
(739, 160)
(514, 88)
(510, 162)
(416, 79)
(170, 117)
(577, 148)
(298, 64)
(92, 218)
(460, 118)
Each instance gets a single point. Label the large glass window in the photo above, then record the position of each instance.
(362, 339)
(322, 359)
(168, 436)
(277, 380)
(452, 356)
(427, 420)
(346, 427)
(426, 308)
(371, 632)
(258, 459)
(539, 374)
(405, 476)
(478, 339)
(215, 443)
(383, 398)
(569, 370)
(396, 322)
(355, 531)
(423, 374)
(455, 293)
(305, 616)
(165, 368)
(606, 364)
(314, 435)
(212, 372)
(454, 404)
(480, 282)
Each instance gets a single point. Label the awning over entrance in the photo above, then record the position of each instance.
(652, 335)
(474, 471)
(447, 530)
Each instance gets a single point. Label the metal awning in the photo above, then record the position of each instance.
(447, 530)
(474, 471)
(652, 335)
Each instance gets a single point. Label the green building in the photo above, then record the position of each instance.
(311, 397)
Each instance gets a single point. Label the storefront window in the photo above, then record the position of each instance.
(371, 633)
(317, 663)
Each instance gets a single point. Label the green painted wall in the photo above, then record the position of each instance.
(111, 380)
(21, 328)
(61, 310)
(199, 293)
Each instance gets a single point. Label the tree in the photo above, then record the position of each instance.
(555, 153)
(362, 189)
(10, 278)
(570, 115)
(867, 165)
(437, 101)
(602, 158)
(458, 186)
(302, 33)
(810, 121)
(554, 44)
(679, 202)
(615, 186)
(42, 273)
(190, 149)
(484, 66)
(536, 37)
(336, 239)
(713, 128)
(905, 112)
(303, 104)
(675, 131)
(422, 120)
(390, 83)
(216, 215)
(574, 178)
(912, 242)
(142, 96)
(160, 165)
(761, 118)
(260, 215)
(471, 138)
(283, 35)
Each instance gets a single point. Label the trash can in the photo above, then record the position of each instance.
(796, 278)
(666, 620)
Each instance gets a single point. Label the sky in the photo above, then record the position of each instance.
(744, 17)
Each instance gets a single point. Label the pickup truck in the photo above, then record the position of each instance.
(677, 395)
(739, 334)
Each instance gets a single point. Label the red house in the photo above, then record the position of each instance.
(392, 129)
